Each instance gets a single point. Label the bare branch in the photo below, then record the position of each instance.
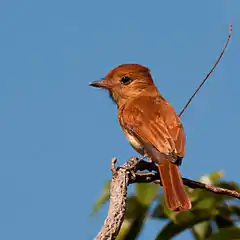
(118, 197)
(209, 73)
(154, 177)
(127, 174)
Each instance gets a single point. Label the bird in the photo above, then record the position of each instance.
(151, 126)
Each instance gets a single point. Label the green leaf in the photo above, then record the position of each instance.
(102, 199)
(146, 192)
(235, 210)
(210, 202)
(224, 218)
(212, 178)
(126, 226)
(133, 227)
(158, 212)
(132, 207)
(183, 221)
(226, 234)
(198, 195)
(202, 230)
(135, 217)
(166, 211)
(207, 200)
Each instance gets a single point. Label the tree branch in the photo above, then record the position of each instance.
(154, 177)
(127, 174)
(118, 196)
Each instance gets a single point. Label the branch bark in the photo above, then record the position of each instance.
(118, 196)
(127, 174)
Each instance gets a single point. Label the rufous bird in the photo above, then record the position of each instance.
(151, 125)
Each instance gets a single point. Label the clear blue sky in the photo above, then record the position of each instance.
(58, 135)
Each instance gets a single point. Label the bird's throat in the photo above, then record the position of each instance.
(114, 96)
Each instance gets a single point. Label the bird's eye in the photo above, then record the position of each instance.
(126, 80)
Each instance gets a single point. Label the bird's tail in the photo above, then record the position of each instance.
(175, 194)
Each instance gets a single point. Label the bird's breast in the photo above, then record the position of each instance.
(134, 143)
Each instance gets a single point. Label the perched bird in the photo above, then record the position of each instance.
(151, 125)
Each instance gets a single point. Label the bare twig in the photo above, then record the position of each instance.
(154, 177)
(209, 73)
(127, 174)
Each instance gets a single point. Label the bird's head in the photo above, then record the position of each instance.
(125, 82)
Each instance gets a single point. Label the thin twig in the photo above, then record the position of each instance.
(209, 73)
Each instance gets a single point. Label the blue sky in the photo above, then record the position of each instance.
(58, 135)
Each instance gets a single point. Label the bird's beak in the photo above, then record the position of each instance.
(100, 84)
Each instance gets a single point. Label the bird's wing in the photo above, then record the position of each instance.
(154, 123)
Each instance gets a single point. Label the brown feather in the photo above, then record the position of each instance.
(155, 121)
(175, 195)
